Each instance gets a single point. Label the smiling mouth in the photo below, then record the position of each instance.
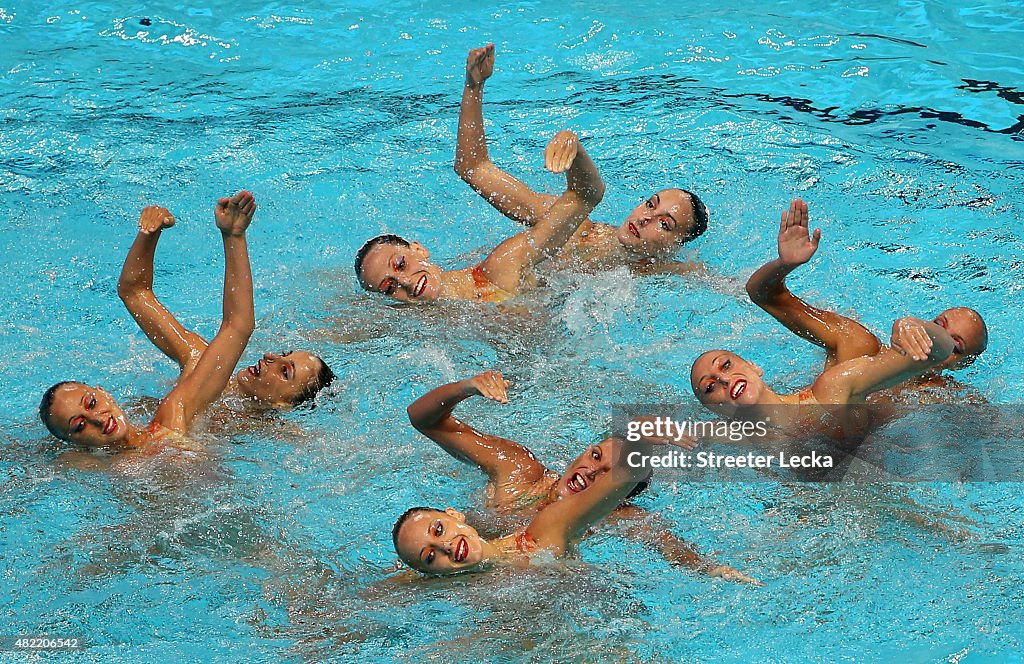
(421, 286)
(577, 483)
(255, 369)
(738, 388)
(110, 427)
(633, 229)
(461, 550)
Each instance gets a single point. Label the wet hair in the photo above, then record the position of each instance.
(406, 515)
(324, 377)
(700, 216)
(47, 403)
(369, 246)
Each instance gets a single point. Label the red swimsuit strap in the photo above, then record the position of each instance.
(479, 278)
(525, 542)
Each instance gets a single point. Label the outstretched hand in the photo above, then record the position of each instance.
(561, 151)
(154, 219)
(235, 214)
(492, 385)
(796, 244)
(479, 65)
(732, 574)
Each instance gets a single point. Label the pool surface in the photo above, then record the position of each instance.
(901, 124)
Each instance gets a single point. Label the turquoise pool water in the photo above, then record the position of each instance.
(901, 124)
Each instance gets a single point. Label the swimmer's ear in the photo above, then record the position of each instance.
(419, 249)
(759, 370)
(455, 514)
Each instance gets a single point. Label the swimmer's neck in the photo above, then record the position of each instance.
(767, 405)
(135, 440)
(235, 390)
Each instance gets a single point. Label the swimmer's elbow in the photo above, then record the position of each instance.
(468, 169)
(759, 293)
(463, 169)
(414, 417)
(241, 326)
(128, 290)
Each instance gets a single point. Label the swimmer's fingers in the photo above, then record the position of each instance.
(561, 151)
(492, 385)
(155, 218)
(480, 64)
(799, 214)
(910, 338)
(731, 574)
(235, 214)
(686, 442)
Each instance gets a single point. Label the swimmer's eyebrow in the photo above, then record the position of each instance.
(82, 404)
(657, 199)
(713, 363)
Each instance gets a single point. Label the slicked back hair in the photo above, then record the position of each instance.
(324, 377)
(406, 515)
(47, 403)
(700, 216)
(396, 240)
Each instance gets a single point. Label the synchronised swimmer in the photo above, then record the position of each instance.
(552, 510)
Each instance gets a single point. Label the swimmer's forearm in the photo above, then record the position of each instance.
(471, 144)
(137, 271)
(769, 282)
(239, 311)
(584, 179)
(437, 404)
(652, 530)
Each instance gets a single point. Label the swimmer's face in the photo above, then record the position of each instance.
(87, 416)
(402, 273)
(723, 382)
(970, 336)
(278, 380)
(658, 225)
(581, 473)
(436, 542)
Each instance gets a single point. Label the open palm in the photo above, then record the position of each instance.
(796, 244)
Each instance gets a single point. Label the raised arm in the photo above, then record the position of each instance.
(841, 337)
(135, 288)
(561, 522)
(500, 458)
(512, 262)
(508, 195)
(197, 389)
(853, 380)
